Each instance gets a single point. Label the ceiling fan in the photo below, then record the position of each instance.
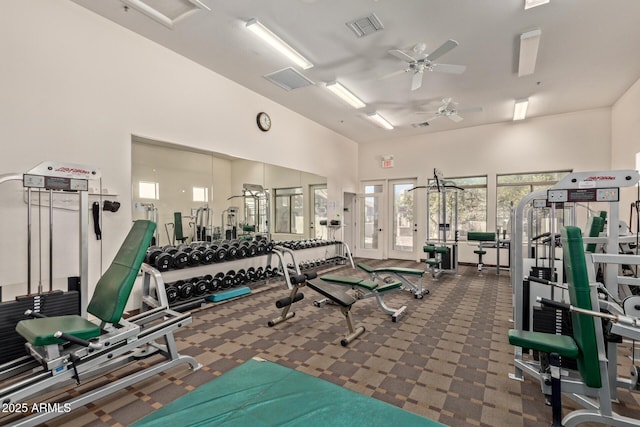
(419, 61)
(448, 109)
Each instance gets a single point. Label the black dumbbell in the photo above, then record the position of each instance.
(217, 282)
(240, 277)
(158, 258)
(171, 292)
(200, 286)
(185, 289)
(229, 279)
(180, 258)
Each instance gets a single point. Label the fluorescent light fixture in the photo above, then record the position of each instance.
(379, 120)
(170, 13)
(520, 109)
(277, 43)
(528, 4)
(345, 94)
(529, 43)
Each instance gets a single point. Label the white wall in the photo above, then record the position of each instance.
(75, 87)
(625, 140)
(579, 141)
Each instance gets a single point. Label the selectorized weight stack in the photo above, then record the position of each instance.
(44, 184)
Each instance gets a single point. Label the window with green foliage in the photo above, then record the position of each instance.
(510, 189)
(289, 209)
(472, 205)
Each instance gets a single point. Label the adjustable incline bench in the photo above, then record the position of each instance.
(70, 349)
(367, 289)
(338, 297)
(399, 274)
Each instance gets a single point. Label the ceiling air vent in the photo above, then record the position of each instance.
(167, 12)
(420, 125)
(288, 79)
(365, 26)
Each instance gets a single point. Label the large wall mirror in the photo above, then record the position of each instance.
(198, 195)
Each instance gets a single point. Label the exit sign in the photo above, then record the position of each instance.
(387, 163)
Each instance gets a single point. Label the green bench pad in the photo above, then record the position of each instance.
(481, 236)
(264, 394)
(39, 332)
(564, 345)
(389, 287)
(351, 281)
(397, 270)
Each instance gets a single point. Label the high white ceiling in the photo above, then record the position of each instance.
(589, 55)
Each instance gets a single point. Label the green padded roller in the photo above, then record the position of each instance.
(442, 249)
(429, 249)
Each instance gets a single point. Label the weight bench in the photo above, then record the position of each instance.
(586, 346)
(399, 274)
(71, 349)
(367, 289)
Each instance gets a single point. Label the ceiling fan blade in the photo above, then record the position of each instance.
(416, 80)
(444, 48)
(402, 55)
(426, 112)
(448, 68)
(395, 73)
(470, 110)
(456, 118)
(432, 118)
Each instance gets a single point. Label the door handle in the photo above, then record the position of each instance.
(379, 229)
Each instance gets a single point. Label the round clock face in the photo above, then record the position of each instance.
(264, 121)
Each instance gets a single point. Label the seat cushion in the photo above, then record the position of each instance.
(39, 332)
(563, 345)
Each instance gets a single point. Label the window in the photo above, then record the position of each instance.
(472, 205)
(149, 190)
(510, 189)
(289, 208)
(200, 194)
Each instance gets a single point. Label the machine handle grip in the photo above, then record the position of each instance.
(554, 304)
(539, 280)
(77, 340)
(34, 314)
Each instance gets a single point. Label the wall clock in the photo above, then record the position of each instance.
(264, 121)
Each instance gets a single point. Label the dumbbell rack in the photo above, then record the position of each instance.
(314, 254)
(189, 286)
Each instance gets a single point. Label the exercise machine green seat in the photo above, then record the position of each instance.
(361, 283)
(584, 334)
(430, 249)
(479, 252)
(547, 343)
(109, 298)
(398, 270)
(262, 393)
(481, 236)
(41, 333)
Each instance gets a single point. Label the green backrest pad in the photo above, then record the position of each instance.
(584, 332)
(481, 236)
(114, 287)
(177, 226)
(597, 225)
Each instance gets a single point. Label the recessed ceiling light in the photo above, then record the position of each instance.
(528, 4)
(529, 43)
(277, 43)
(167, 12)
(379, 120)
(520, 109)
(345, 94)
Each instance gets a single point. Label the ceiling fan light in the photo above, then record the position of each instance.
(277, 43)
(345, 94)
(520, 109)
(529, 43)
(528, 4)
(379, 120)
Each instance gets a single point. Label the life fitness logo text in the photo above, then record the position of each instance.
(601, 178)
(73, 170)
